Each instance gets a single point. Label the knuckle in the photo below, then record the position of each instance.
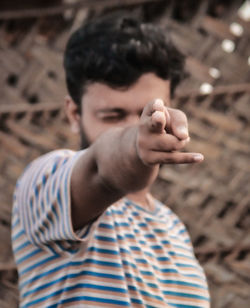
(169, 159)
(180, 144)
(177, 146)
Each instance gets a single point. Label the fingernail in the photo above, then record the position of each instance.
(183, 131)
(198, 157)
(158, 103)
(158, 115)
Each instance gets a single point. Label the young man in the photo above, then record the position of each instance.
(86, 231)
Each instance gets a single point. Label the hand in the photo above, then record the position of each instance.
(162, 133)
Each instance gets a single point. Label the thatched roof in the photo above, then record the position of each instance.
(213, 197)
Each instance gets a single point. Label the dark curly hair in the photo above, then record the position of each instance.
(116, 50)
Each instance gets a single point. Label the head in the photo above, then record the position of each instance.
(114, 65)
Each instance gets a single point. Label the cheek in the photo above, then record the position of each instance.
(93, 128)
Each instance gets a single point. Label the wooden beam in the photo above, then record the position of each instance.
(55, 10)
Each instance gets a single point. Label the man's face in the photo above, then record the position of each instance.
(104, 107)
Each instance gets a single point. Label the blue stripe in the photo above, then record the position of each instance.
(156, 247)
(36, 189)
(117, 212)
(44, 179)
(42, 206)
(20, 247)
(135, 213)
(59, 199)
(128, 275)
(129, 235)
(149, 254)
(75, 286)
(147, 273)
(135, 248)
(123, 250)
(81, 273)
(105, 238)
(146, 293)
(165, 242)
(125, 262)
(19, 234)
(182, 283)
(100, 250)
(121, 224)
(186, 265)
(42, 228)
(54, 167)
(104, 263)
(54, 270)
(106, 226)
(136, 301)
(182, 231)
(143, 261)
(86, 232)
(169, 270)
(182, 247)
(53, 209)
(159, 230)
(14, 224)
(29, 255)
(184, 306)
(163, 258)
(164, 270)
(195, 276)
(187, 295)
(173, 253)
(44, 261)
(152, 285)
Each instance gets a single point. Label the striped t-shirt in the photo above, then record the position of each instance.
(128, 257)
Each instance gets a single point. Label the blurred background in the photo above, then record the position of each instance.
(213, 197)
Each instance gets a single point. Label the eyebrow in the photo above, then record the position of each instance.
(111, 110)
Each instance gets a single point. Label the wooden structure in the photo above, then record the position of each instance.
(213, 197)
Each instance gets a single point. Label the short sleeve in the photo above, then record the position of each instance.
(43, 199)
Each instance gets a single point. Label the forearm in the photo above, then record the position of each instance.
(119, 165)
(108, 170)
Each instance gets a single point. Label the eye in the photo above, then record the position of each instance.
(113, 116)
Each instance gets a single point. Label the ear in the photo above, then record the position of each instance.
(73, 115)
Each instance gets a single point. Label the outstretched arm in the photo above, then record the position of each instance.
(124, 160)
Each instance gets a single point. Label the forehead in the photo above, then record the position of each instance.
(147, 88)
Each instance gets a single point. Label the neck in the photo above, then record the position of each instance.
(143, 198)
